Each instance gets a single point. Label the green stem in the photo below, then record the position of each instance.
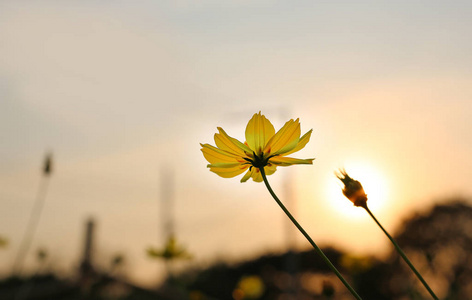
(31, 226)
(317, 249)
(402, 254)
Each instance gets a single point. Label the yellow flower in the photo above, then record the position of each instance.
(263, 148)
(171, 250)
(353, 189)
(249, 287)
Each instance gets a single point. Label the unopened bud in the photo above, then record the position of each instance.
(47, 164)
(353, 189)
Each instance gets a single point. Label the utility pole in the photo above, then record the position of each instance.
(86, 266)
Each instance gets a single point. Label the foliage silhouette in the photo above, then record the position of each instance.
(438, 241)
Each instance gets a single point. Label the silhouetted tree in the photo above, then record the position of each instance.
(440, 244)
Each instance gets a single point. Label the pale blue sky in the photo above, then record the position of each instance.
(118, 89)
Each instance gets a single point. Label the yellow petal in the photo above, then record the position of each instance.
(288, 161)
(214, 155)
(258, 131)
(229, 172)
(285, 139)
(256, 175)
(232, 145)
(301, 143)
(224, 165)
(270, 169)
(247, 175)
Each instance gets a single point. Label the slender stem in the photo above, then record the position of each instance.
(402, 254)
(32, 225)
(317, 249)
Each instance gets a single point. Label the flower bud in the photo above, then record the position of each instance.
(47, 167)
(353, 189)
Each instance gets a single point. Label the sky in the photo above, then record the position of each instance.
(123, 92)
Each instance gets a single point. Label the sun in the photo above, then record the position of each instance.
(374, 186)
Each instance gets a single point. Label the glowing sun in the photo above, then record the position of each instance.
(374, 186)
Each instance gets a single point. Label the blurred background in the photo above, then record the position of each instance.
(122, 93)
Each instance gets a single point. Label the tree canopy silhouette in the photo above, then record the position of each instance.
(440, 243)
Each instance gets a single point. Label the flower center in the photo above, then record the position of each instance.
(258, 161)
